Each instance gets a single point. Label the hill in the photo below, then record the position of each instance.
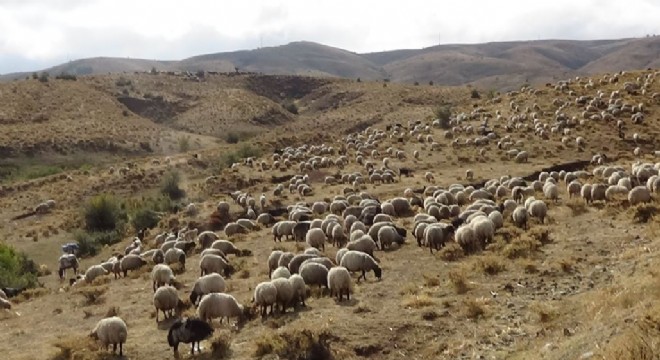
(576, 281)
(500, 65)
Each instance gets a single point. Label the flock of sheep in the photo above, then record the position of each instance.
(358, 223)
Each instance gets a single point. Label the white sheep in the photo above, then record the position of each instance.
(112, 330)
(220, 305)
(388, 235)
(299, 289)
(339, 282)
(215, 264)
(520, 216)
(175, 256)
(129, 262)
(316, 238)
(265, 295)
(538, 209)
(358, 261)
(281, 272)
(4, 303)
(639, 194)
(207, 284)
(162, 275)
(285, 292)
(365, 244)
(93, 272)
(166, 299)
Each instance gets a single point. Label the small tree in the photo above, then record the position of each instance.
(431, 83)
(35, 76)
(170, 186)
(43, 77)
(103, 213)
(443, 113)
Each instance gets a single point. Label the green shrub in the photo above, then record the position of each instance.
(65, 76)
(443, 113)
(146, 213)
(16, 269)
(170, 186)
(104, 213)
(232, 138)
(89, 243)
(184, 144)
(247, 150)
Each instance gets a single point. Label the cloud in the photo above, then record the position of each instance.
(36, 32)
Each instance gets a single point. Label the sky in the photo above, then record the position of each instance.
(35, 34)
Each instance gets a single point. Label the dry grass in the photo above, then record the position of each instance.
(417, 301)
(577, 205)
(297, 344)
(431, 281)
(29, 294)
(545, 312)
(474, 309)
(644, 212)
(92, 294)
(522, 247)
(490, 264)
(451, 252)
(634, 344)
(458, 281)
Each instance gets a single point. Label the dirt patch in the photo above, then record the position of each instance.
(155, 108)
(279, 88)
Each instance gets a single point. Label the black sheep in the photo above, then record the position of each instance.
(11, 292)
(190, 330)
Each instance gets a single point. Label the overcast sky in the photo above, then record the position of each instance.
(39, 33)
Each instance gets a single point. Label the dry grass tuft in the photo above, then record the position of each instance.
(490, 265)
(430, 315)
(644, 212)
(522, 247)
(101, 280)
(566, 265)
(417, 301)
(546, 312)
(92, 294)
(632, 345)
(458, 280)
(76, 347)
(473, 309)
(451, 252)
(112, 311)
(540, 234)
(221, 346)
(297, 344)
(530, 267)
(431, 281)
(361, 310)
(577, 206)
(31, 294)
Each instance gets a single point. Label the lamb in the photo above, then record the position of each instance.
(215, 264)
(111, 330)
(265, 295)
(129, 262)
(161, 275)
(358, 261)
(93, 272)
(186, 331)
(166, 300)
(299, 289)
(339, 282)
(68, 261)
(281, 272)
(175, 255)
(314, 274)
(316, 238)
(220, 305)
(211, 283)
(284, 292)
(228, 248)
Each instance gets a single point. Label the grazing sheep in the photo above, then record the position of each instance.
(639, 194)
(129, 262)
(285, 259)
(166, 299)
(520, 216)
(469, 174)
(206, 238)
(4, 303)
(207, 284)
(113, 331)
(215, 264)
(339, 282)
(316, 238)
(314, 274)
(3, 295)
(388, 235)
(342, 251)
(299, 289)
(297, 260)
(358, 261)
(466, 238)
(174, 256)
(265, 295)
(281, 272)
(162, 275)
(436, 235)
(220, 305)
(273, 259)
(365, 244)
(188, 331)
(538, 209)
(93, 272)
(284, 293)
(228, 248)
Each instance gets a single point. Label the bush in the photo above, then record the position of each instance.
(475, 94)
(65, 76)
(123, 82)
(146, 213)
(89, 243)
(184, 144)
(443, 113)
(291, 107)
(170, 186)
(104, 213)
(43, 77)
(16, 269)
(232, 138)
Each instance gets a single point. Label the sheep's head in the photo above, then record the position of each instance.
(378, 272)
(245, 252)
(229, 269)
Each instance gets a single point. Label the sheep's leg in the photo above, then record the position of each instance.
(192, 351)
(114, 348)
(348, 294)
(121, 349)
